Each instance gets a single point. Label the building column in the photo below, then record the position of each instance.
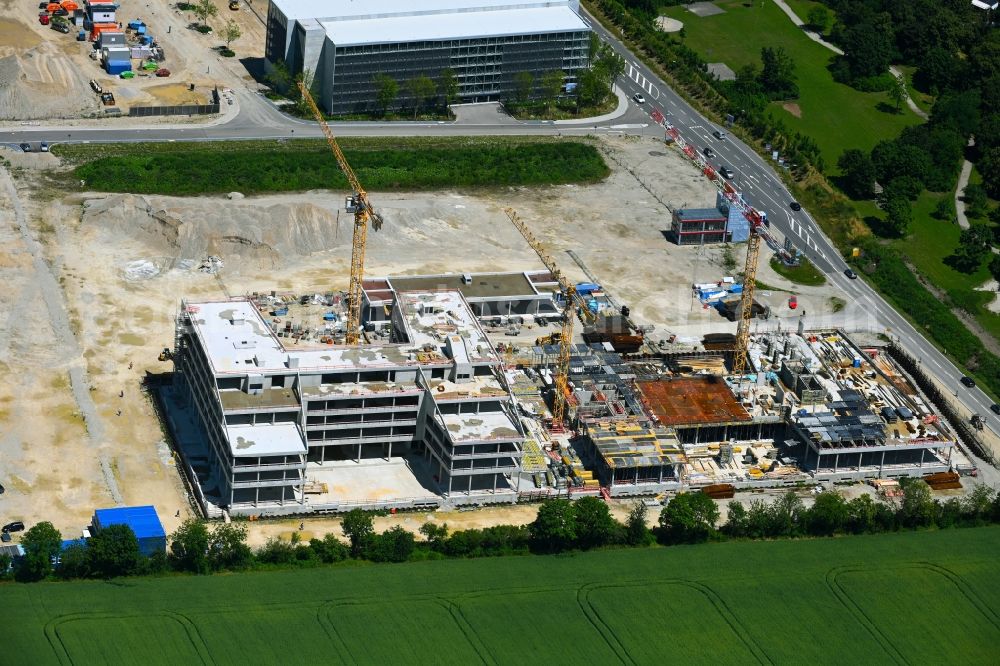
(881, 465)
(389, 456)
(359, 453)
(922, 452)
(469, 492)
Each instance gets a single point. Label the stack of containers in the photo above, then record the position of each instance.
(101, 17)
(117, 59)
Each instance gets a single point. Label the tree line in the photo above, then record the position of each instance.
(561, 525)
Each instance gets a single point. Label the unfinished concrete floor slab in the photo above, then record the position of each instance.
(372, 481)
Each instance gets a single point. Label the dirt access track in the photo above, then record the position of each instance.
(93, 281)
(45, 74)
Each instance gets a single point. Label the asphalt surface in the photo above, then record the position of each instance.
(258, 118)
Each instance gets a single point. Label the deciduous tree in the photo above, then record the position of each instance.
(113, 551)
(554, 528)
(359, 527)
(688, 518)
(386, 91)
(189, 547)
(41, 543)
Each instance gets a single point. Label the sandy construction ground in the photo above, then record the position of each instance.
(92, 282)
(45, 74)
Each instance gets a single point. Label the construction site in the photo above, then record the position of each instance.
(285, 355)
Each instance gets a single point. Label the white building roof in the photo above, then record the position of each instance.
(485, 426)
(238, 340)
(373, 9)
(459, 25)
(280, 439)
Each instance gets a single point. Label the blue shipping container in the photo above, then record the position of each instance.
(143, 521)
(116, 68)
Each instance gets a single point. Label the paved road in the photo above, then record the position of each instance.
(757, 178)
(762, 187)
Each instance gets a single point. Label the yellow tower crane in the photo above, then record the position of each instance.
(746, 302)
(363, 212)
(569, 313)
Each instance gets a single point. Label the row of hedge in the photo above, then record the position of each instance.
(560, 525)
(288, 169)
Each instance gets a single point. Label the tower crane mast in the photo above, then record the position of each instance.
(363, 213)
(569, 314)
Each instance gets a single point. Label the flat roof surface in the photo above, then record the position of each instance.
(695, 214)
(431, 317)
(250, 441)
(693, 401)
(459, 25)
(238, 340)
(630, 447)
(341, 389)
(368, 9)
(483, 285)
(273, 397)
(142, 519)
(480, 427)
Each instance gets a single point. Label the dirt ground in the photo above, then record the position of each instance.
(119, 264)
(45, 74)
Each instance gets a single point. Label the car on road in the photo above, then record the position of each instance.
(968, 381)
(795, 205)
(726, 172)
(639, 98)
(720, 135)
(709, 153)
(44, 147)
(26, 147)
(16, 526)
(995, 408)
(851, 275)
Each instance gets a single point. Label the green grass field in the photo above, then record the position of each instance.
(919, 597)
(836, 116)
(805, 273)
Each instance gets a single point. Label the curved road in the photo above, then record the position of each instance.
(259, 119)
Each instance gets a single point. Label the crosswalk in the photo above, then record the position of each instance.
(644, 83)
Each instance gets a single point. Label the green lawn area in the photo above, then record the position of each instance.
(836, 116)
(802, 7)
(923, 101)
(805, 273)
(910, 597)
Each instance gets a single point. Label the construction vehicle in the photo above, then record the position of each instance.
(165, 355)
(358, 204)
(108, 98)
(550, 339)
(234, 5)
(561, 390)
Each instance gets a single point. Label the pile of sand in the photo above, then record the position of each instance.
(192, 229)
(42, 83)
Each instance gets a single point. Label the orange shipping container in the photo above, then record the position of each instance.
(98, 28)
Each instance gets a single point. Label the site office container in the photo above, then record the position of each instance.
(97, 28)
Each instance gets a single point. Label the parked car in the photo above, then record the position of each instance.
(43, 19)
(851, 275)
(793, 302)
(44, 147)
(639, 98)
(709, 153)
(96, 87)
(162, 72)
(2, 489)
(43, 5)
(726, 172)
(719, 134)
(795, 205)
(26, 147)
(968, 381)
(16, 526)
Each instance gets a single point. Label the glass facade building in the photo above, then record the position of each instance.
(347, 53)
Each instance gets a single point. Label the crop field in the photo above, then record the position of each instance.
(920, 597)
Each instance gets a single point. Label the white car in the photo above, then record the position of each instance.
(639, 99)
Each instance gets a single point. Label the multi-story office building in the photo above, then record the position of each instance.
(277, 417)
(346, 44)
